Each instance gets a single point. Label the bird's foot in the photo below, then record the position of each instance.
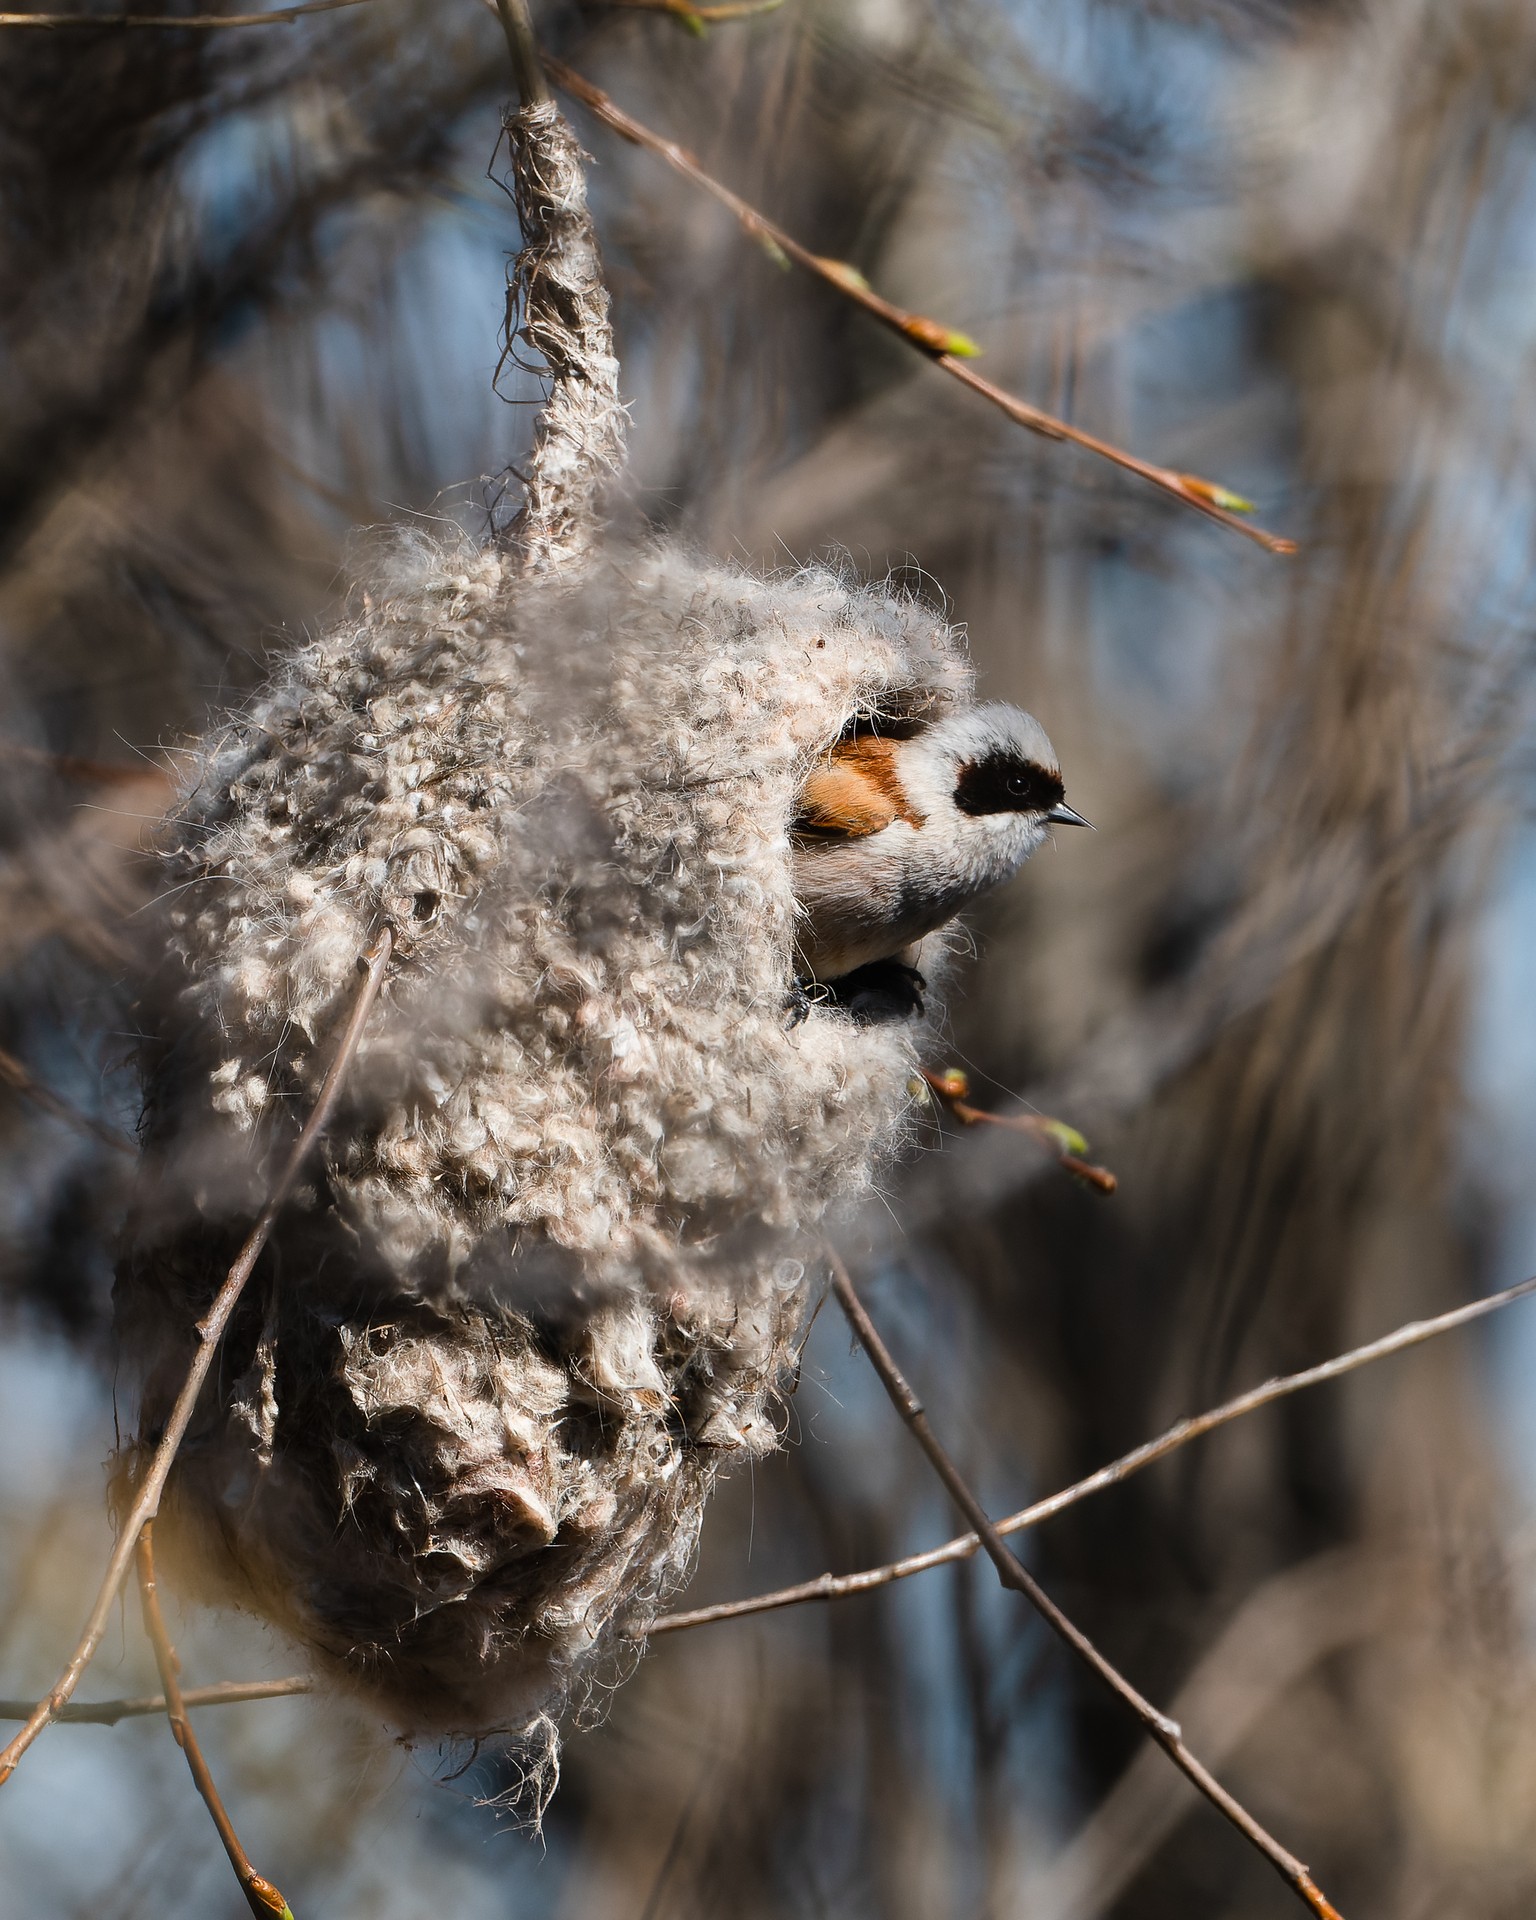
(885, 990)
(804, 993)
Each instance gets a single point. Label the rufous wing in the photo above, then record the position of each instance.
(858, 792)
(840, 801)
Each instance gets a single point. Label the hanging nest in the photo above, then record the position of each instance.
(543, 1274)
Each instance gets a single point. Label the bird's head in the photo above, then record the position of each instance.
(992, 766)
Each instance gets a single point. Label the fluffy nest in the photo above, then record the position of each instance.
(548, 1263)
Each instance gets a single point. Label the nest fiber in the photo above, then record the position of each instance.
(557, 286)
(545, 1272)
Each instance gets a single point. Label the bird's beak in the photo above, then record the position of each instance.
(1063, 816)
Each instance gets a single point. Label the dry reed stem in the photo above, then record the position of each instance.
(210, 1330)
(279, 16)
(107, 1713)
(1012, 1573)
(938, 343)
(830, 1586)
(261, 1896)
(17, 1077)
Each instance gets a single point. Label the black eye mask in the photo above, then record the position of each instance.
(1005, 783)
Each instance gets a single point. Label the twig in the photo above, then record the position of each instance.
(517, 25)
(1164, 1731)
(107, 1713)
(16, 1076)
(1282, 1632)
(1065, 1142)
(74, 766)
(210, 1330)
(941, 344)
(261, 1896)
(698, 19)
(829, 1586)
(279, 16)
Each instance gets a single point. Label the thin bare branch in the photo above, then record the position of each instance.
(107, 1713)
(74, 766)
(16, 1076)
(210, 1330)
(946, 348)
(1277, 1637)
(830, 1586)
(261, 1896)
(841, 1586)
(1013, 1574)
(279, 16)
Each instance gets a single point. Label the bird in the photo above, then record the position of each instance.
(894, 832)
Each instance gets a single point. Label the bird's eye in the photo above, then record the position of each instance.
(1018, 785)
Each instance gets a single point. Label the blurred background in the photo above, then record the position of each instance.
(252, 285)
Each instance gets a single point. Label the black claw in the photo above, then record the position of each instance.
(797, 1004)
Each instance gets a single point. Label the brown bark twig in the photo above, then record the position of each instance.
(277, 17)
(830, 1586)
(947, 349)
(210, 1330)
(952, 1086)
(21, 1081)
(1293, 1622)
(263, 1899)
(1012, 1573)
(107, 1713)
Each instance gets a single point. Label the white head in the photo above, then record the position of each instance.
(991, 774)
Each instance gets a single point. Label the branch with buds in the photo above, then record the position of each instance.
(263, 1899)
(946, 348)
(1066, 1143)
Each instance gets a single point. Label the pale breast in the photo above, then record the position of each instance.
(867, 899)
